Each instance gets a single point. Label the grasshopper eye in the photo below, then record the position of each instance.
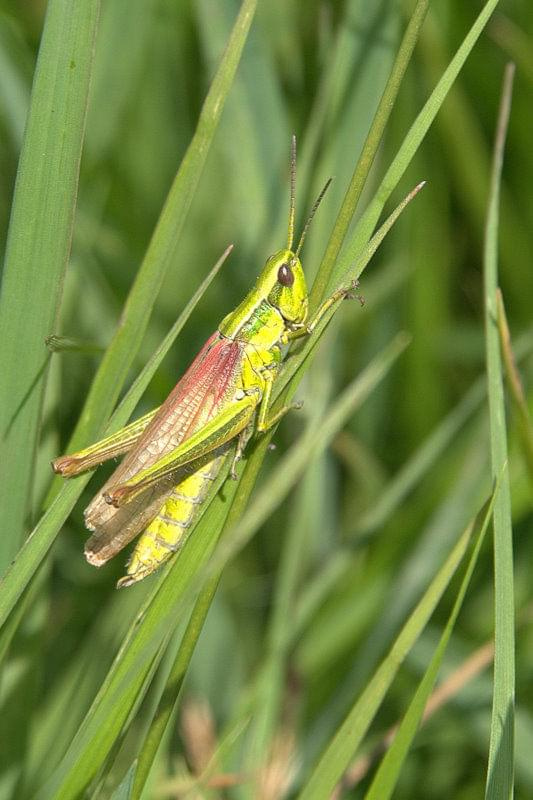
(285, 275)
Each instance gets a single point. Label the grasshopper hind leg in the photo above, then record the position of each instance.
(152, 551)
(167, 532)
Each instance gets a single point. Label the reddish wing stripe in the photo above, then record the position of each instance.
(187, 407)
(213, 372)
(196, 402)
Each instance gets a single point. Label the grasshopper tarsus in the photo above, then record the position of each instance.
(233, 469)
(65, 466)
(114, 498)
(349, 293)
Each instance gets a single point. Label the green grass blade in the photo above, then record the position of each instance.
(161, 252)
(127, 681)
(388, 772)
(434, 446)
(64, 344)
(344, 744)
(41, 539)
(368, 153)
(409, 146)
(406, 478)
(294, 563)
(500, 774)
(38, 246)
(169, 698)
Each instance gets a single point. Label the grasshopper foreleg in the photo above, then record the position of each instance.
(343, 293)
(242, 441)
(264, 422)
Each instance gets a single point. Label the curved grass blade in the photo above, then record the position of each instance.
(38, 246)
(388, 772)
(344, 744)
(500, 772)
(296, 363)
(368, 153)
(169, 698)
(408, 476)
(409, 147)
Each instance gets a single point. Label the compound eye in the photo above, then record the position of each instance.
(285, 275)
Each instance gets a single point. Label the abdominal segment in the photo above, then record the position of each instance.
(168, 530)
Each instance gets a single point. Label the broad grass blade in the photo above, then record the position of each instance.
(38, 247)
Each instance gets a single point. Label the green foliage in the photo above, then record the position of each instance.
(315, 604)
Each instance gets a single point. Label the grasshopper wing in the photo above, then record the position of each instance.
(209, 382)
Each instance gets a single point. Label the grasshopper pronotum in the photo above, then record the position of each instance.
(175, 451)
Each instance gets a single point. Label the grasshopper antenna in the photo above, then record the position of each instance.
(311, 215)
(293, 193)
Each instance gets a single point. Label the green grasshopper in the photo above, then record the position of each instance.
(177, 450)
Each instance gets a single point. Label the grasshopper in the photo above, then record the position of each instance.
(177, 450)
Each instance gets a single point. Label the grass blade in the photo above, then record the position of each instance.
(516, 388)
(38, 246)
(169, 699)
(125, 790)
(409, 146)
(127, 681)
(500, 773)
(369, 151)
(419, 464)
(389, 770)
(349, 736)
(295, 365)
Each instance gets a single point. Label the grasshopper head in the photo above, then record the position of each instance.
(282, 280)
(287, 290)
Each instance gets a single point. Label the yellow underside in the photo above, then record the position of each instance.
(168, 531)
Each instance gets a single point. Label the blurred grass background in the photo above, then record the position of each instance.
(371, 521)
